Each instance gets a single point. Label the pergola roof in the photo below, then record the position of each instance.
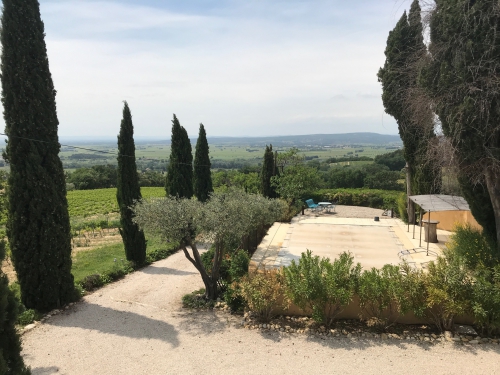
(440, 202)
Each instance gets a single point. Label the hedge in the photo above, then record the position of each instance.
(384, 199)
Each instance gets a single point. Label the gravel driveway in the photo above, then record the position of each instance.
(137, 326)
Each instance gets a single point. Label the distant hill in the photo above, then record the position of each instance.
(350, 139)
(311, 139)
(299, 140)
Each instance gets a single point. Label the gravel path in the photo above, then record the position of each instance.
(137, 326)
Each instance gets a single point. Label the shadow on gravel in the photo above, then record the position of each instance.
(165, 271)
(116, 322)
(365, 343)
(204, 322)
(45, 370)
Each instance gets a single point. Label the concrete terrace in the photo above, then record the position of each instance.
(353, 229)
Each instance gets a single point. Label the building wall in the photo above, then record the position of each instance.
(448, 219)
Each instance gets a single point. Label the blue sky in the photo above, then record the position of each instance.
(243, 68)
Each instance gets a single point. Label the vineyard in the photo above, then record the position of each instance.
(85, 203)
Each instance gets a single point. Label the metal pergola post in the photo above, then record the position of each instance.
(420, 242)
(428, 232)
(413, 225)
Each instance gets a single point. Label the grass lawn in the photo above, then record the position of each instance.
(111, 257)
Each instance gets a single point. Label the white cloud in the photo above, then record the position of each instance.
(255, 68)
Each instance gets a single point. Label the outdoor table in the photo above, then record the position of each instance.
(325, 205)
(430, 227)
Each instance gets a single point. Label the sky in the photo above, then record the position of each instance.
(241, 67)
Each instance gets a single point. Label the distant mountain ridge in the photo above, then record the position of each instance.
(312, 139)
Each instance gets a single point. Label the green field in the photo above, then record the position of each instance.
(101, 201)
(251, 155)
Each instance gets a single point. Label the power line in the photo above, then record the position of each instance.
(86, 148)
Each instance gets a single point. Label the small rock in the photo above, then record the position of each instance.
(383, 336)
(448, 335)
(465, 330)
(456, 339)
(485, 340)
(349, 335)
(427, 339)
(474, 342)
(282, 330)
(29, 327)
(434, 336)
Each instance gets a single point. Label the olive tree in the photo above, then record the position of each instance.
(225, 219)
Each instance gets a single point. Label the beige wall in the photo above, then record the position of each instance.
(448, 219)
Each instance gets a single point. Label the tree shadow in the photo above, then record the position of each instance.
(205, 322)
(165, 271)
(120, 323)
(45, 370)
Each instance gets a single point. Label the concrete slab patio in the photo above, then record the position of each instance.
(349, 229)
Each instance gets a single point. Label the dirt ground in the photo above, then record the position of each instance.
(137, 326)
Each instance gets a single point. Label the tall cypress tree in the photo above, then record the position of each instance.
(462, 80)
(38, 227)
(128, 191)
(202, 175)
(405, 48)
(180, 168)
(267, 172)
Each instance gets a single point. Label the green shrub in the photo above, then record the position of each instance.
(470, 244)
(238, 265)
(233, 297)
(448, 290)
(413, 290)
(486, 299)
(381, 295)
(263, 292)
(159, 254)
(92, 282)
(197, 300)
(27, 317)
(402, 207)
(321, 286)
(291, 211)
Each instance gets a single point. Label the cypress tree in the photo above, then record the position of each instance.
(267, 172)
(202, 175)
(462, 80)
(405, 48)
(128, 191)
(11, 361)
(180, 168)
(38, 226)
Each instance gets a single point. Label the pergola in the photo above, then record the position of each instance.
(433, 203)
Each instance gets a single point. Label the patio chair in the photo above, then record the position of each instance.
(310, 204)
